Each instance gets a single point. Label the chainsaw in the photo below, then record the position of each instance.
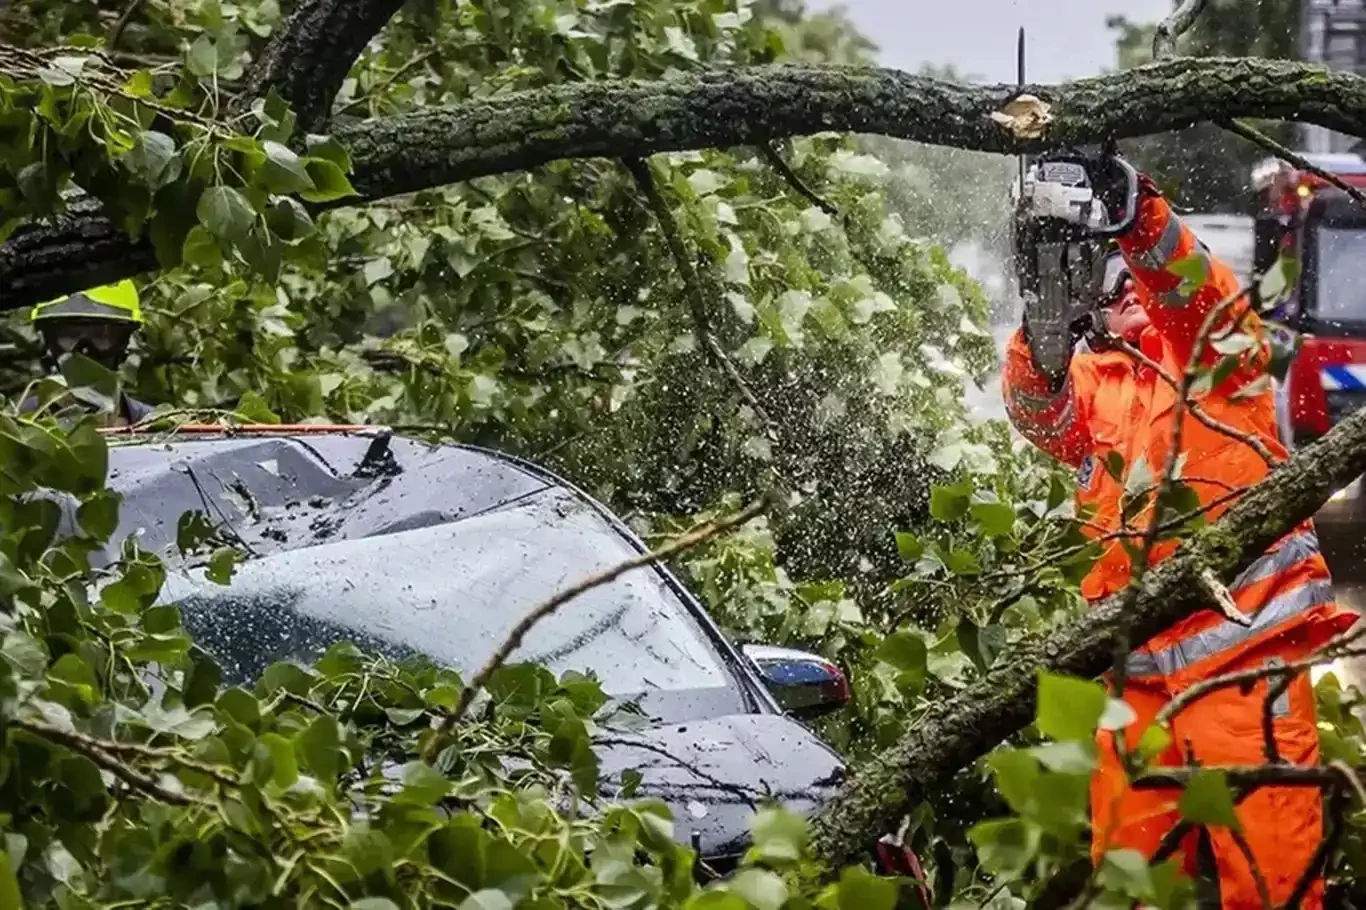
(1061, 238)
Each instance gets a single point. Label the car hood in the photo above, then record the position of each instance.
(714, 773)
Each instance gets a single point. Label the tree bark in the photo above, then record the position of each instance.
(748, 106)
(954, 733)
(307, 60)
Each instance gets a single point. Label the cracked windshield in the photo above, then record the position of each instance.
(682, 454)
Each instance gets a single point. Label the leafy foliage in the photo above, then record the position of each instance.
(547, 314)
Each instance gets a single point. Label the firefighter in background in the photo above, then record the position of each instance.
(97, 323)
(1086, 407)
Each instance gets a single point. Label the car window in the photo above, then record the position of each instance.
(1340, 289)
(452, 592)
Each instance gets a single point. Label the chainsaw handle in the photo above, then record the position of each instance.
(1130, 201)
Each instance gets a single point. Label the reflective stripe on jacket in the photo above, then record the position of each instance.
(1115, 412)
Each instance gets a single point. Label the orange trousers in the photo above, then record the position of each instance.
(1282, 826)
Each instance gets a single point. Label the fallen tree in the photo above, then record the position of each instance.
(731, 107)
(753, 105)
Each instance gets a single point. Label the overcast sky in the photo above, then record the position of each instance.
(1065, 38)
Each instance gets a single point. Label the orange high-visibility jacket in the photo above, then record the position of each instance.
(1112, 404)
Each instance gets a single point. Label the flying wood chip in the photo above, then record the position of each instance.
(1026, 116)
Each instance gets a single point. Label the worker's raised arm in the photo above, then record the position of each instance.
(1054, 419)
(1184, 281)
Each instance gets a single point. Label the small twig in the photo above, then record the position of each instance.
(1329, 652)
(746, 793)
(1175, 25)
(1221, 596)
(1327, 846)
(1350, 775)
(528, 622)
(1238, 128)
(1198, 412)
(697, 299)
(794, 180)
(91, 749)
(1241, 776)
(121, 23)
(1257, 875)
(398, 74)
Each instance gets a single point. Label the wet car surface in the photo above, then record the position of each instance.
(407, 549)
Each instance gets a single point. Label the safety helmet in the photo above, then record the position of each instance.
(114, 302)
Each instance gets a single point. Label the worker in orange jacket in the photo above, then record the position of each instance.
(1088, 407)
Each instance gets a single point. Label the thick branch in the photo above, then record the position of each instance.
(1171, 28)
(308, 58)
(955, 732)
(743, 106)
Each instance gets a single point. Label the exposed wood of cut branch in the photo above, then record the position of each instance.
(952, 733)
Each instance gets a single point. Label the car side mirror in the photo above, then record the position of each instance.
(803, 684)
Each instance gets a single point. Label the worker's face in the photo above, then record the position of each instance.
(1126, 317)
(103, 341)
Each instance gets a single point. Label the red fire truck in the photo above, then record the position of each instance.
(1324, 229)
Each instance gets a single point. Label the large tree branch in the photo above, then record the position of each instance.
(307, 60)
(752, 106)
(955, 732)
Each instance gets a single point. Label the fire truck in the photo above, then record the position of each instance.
(1304, 217)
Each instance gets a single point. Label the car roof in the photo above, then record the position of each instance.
(287, 490)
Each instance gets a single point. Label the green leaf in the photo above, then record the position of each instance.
(1069, 708)
(962, 562)
(222, 565)
(284, 171)
(487, 899)
(779, 837)
(905, 651)
(1207, 800)
(1114, 466)
(320, 746)
(202, 57)
(329, 182)
(997, 519)
(1006, 847)
(326, 148)
(73, 673)
(949, 503)
(1193, 271)
(376, 903)
(202, 680)
(1071, 757)
(982, 644)
(153, 160)
(1279, 280)
(763, 889)
(225, 212)
(1153, 742)
(201, 248)
(98, 516)
(10, 896)
(84, 374)
(252, 408)
(909, 546)
(1126, 871)
(859, 889)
